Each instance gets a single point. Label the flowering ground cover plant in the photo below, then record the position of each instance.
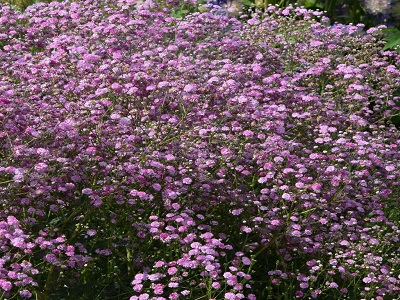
(149, 157)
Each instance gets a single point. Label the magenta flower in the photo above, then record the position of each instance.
(226, 152)
(25, 294)
(87, 191)
(5, 285)
(190, 88)
(230, 296)
(188, 150)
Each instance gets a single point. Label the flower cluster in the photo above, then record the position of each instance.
(377, 6)
(18, 249)
(201, 157)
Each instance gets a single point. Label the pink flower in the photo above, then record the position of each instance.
(51, 258)
(40, 167)
(323, 221)
(296, 233)
(330, 169)
(253, 22)
(187, 180)
(12, 221)
(87, 191)
(90, 150)
(230, 296)
(275, 222)
(116, 86)
(189, 88)
(91, 232)
(333, 285)
(316, 43)
(171, 194)
(207, 235)
(25, 294)
(245, 229)
(248, 133)
(169, 157)
(226, 152)
(173, 296)
(158, 288)
(5, 285)
(367, 280)
(304, 285)
(227, 275)
(18, 242)
(185, 292)
(237, 212)
(216, 285)
(316, 187)
(172, 271)
(246, 261)
(390, 168)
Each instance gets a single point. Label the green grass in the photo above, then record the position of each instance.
(23, 4)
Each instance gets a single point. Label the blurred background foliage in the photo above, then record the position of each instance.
(369, 12)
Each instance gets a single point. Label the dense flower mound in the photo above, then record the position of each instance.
(151, 157)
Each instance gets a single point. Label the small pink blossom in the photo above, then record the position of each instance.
(246, 261)
(230, 296)
(226, 152)
(90, 150)
(253, 22)
(5, 285)
(367, 280)
(25, 294)
(187, 180)
(275, 222)
(248, 133)
(316, 43)
(91, 232)
(190, 88)
(172, 270)
(87, 191)
(237, 212)
(40, 167)
(390, 168)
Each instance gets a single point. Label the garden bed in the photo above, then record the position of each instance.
(149, 157)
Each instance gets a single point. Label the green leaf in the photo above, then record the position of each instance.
(396, 120)
(309, 3)
(248, 3)
(177, 14)
(392, 40)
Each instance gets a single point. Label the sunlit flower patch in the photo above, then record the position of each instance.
(150, 157)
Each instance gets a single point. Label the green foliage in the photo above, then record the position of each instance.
(23, 4)
(348, 11)
(185, 9)
(392, 39)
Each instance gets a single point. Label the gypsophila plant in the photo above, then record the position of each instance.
(145, 156)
